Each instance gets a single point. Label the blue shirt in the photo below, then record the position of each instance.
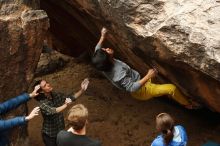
(179, 138)
(5, 125)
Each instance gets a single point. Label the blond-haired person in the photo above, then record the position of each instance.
(76, 134)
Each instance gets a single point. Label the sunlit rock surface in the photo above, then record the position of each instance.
(179, 37)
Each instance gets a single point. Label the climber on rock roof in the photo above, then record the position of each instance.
(128, 79)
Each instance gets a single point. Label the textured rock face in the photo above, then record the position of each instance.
(181, 38)
(22, 30)
(51, 62)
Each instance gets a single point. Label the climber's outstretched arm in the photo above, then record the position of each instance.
(102, 38)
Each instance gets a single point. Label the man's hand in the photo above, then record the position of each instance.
(84, 84)
(64, 106)
(68, 101)
(34, 93)
(34, 113)
(104, 31)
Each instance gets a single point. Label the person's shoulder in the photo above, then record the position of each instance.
(181, 128)
(63, 138)
(182, 133)
(158, 141)
(57, 94)
(62, 134)
(95, 143)
(119, 61)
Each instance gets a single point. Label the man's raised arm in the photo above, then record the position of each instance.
(84, 86)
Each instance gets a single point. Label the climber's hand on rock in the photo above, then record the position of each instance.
(104, 31)
(151, 73)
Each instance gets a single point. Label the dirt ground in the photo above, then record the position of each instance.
(116, 119)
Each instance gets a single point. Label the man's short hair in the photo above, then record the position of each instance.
(101, 60)
(78, 116)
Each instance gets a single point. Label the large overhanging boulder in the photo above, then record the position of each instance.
(22, 30)
(181, 38)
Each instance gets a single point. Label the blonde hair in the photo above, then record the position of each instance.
(77, 116)
(165, 124)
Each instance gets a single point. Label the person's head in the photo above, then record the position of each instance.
(165, 125)
(45, 86)
(44, 89)
(109, 51)
(78, 117)
(102, 59)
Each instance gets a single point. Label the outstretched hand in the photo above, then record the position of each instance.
(104, 31)
(84, 84)
(34, 113)
(34, 93)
